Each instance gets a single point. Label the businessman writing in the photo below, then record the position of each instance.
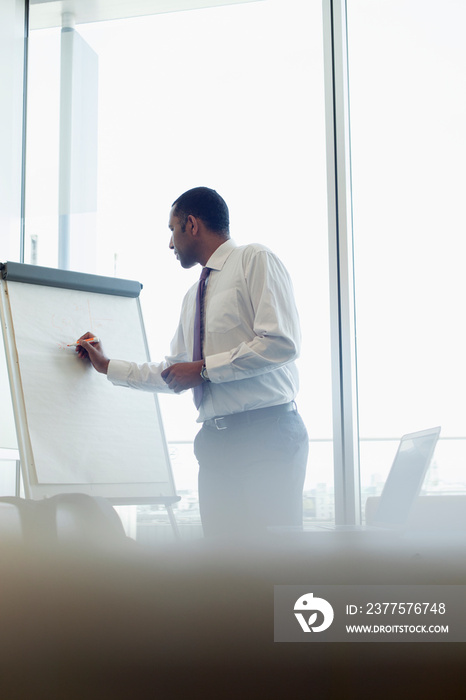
(235, 346)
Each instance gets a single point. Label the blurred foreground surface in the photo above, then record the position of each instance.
(196, 619)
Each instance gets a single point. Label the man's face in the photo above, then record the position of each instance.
(181, 242)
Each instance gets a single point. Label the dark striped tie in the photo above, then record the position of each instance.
(199, 330)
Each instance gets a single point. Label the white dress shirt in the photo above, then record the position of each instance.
(251, 339)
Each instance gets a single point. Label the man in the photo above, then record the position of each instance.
(235, 346)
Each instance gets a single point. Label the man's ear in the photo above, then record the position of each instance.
(194, 224)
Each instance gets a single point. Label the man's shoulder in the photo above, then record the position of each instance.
(251, 250)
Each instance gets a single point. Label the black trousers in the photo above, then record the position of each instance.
(251, 474)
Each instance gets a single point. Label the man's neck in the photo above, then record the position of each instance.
(211, 246)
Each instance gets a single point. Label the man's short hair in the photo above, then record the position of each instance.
(205, 204)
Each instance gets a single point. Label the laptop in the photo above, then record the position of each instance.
(403, 484)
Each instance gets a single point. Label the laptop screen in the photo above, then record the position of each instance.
(406, 477)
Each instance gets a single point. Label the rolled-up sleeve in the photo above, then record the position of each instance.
(269, 329)
(146, 376)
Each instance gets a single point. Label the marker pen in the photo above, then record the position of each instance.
(88, 340)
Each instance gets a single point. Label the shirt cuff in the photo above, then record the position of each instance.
(118, 372)
(219, 368)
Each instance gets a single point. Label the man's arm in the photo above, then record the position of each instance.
(178, 377)
(275, 326)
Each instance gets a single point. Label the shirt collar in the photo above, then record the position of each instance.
(219, 257)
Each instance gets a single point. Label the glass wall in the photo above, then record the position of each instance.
(232, 97)
(229, 97)
(407, 62)
(12, 53)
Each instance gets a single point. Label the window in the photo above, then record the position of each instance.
(408, 110)
(230, 97)
(11, 145)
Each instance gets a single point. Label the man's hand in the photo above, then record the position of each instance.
(183, 375)
(94, 352)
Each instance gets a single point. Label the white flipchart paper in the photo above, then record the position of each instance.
(84, 430)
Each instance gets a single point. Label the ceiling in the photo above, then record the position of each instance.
(48, 13)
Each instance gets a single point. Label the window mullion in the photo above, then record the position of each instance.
(345, 415)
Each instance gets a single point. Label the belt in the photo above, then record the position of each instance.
(245, 417)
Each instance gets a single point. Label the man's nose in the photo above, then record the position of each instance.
(170, 245)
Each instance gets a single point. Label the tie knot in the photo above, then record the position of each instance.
(205, 273)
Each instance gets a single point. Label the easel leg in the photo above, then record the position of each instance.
(18, 478)
(174, 524)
